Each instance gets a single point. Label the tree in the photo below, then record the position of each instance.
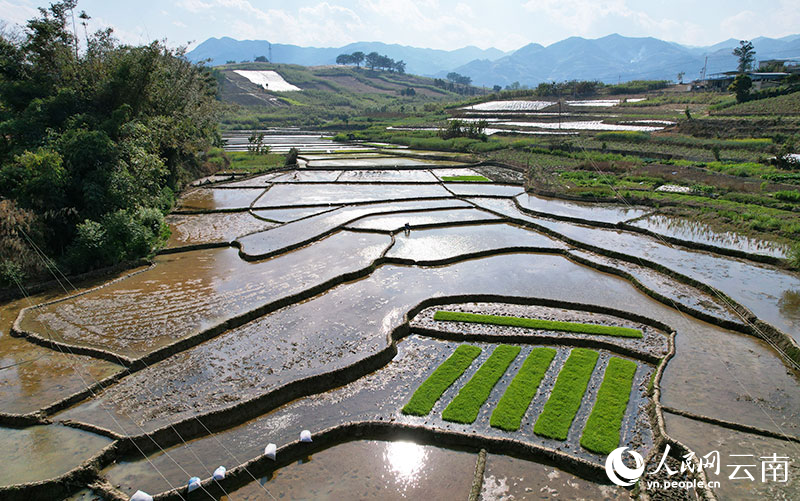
(261, 59)
(453, 76)
(741, 86)
(400, 67)
(496, 88)
(373, 60)
(344, 59)
(680, 76)
(746, 54)
(357, 58)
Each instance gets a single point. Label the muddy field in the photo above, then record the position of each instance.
(305, 300)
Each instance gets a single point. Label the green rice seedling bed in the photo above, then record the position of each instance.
(602, 430)
(423, 400)
(535, 323)
(519, 394)
(560, 409)
(465, 406)
(467, 178)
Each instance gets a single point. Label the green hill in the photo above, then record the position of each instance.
(327, 94)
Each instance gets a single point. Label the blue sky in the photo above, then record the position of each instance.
(441, 24)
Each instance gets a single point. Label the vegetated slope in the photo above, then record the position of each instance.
(344, 81)
(788, 104)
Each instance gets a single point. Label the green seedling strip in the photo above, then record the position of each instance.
(464, 408)
(466, 178)
(565, 399)
(423, 400)
(535, 323)
(515, 401)
(602, 430)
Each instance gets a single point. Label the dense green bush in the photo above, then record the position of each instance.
(291, 157)
(118, 236)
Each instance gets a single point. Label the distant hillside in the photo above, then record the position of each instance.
(608, 59)
(353, 88)
(418, 61)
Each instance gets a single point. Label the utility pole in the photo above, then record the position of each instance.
(703, 74)
(270, 52)
(559, 113)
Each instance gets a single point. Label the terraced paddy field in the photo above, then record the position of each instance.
(437, 334)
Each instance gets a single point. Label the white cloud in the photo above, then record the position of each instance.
(17, 12)
(195, 5)
(579, 15)
(779, 21)
(464, 10)
(179, 24)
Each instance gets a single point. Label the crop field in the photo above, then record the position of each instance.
(601, 433)
(515, 401)
(534, 323)
(567, 394)
(464, 408)
(442, 378)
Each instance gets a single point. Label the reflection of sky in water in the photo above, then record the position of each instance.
(404, 461)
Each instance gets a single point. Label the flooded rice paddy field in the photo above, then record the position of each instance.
(281, 140)
(285, 195)
(386, 162)
(211, 199)
(376, 397)
(604, 213)
(319, 315)
(196, 229)
(397, 222)
(43, 452)
(695, 231)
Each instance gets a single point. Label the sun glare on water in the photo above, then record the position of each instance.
(405, 460)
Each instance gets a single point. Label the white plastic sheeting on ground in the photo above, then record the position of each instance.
(509, 106)
(141, 496)
(270, 80)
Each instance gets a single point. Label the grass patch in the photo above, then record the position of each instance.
(464, 408)
(535, 323)
(466, 178)
(565, 399)
(601, 433)
(423, 400)
(515, 401)
(245, 161)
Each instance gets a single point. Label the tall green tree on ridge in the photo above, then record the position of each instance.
(746, 54)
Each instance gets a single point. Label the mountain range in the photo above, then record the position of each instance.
(609, 59)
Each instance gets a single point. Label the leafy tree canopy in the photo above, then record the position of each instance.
(93, 132)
